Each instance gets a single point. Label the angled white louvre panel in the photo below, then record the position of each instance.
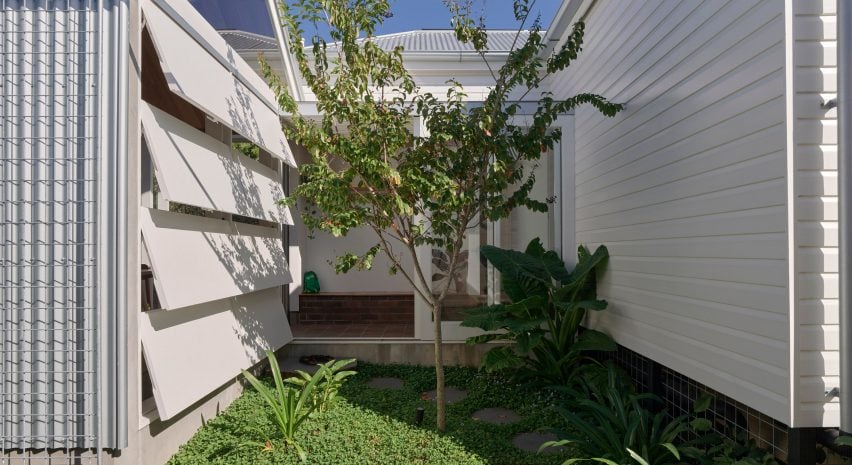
(193, 352)
(196, 169)
(204, 70)
(197, 259)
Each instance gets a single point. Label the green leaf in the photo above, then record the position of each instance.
(702, 403)
(671, 447)
(638, 458)
(484, 338)
(590, 339)
(843, 441)
(701, 424)
(500, 358)
(487, 318)
(525, 342)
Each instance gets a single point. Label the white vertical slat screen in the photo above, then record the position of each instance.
(49, 203)
(196, 71)
(196, 169)
(194, 351)
(197, 259)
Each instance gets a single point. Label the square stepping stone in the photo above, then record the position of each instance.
(532, 441)
(451, 395)
(496, 415)
(392, 384)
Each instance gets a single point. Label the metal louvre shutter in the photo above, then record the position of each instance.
(52, 257)
(196, 70)
(227, 335)
(196, 169)
(197, 259)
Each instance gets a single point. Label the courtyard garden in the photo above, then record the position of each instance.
(374, 421)
(540, 397)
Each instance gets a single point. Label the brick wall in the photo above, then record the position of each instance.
(346, 308)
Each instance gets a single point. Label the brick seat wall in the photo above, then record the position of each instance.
(349, 308)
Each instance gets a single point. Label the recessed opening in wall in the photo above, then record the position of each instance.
(150, 301)
(146, 390)
(155, 88)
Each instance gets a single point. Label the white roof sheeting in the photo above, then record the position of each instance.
(197, 259)
(196, 169)
(193, 352)
(243, 41)
(201, 67)
(444, 40)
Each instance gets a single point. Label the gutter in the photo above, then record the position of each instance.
(844, 155)
(284, 46)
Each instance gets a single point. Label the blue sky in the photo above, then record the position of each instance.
(250, 15)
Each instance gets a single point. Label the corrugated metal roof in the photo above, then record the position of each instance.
(421, 41)
(444, 40)
(243, 41)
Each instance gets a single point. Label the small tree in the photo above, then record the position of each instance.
(368, 169)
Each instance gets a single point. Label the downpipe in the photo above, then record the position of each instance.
(844, 178)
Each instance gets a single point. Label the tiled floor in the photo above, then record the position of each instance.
(371, 330)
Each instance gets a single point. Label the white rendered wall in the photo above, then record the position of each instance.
(687, 187)
(814, 140)
(316, 253)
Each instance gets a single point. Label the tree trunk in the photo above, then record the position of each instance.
(439, 369)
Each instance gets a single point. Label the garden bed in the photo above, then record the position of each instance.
(369, 425)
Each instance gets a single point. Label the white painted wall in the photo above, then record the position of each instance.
(316, 253)
(814, 140)
(687, 187)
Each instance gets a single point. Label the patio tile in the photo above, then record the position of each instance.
(531, 442)
(451, 395)
(496, 415)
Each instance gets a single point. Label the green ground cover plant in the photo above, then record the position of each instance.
(371, 426)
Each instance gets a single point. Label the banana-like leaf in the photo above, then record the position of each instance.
(531, 307)
(484, 338)
(525, 342)
(594, 340)
(593, 304)
(588, 263)
(486, 318)
(501, 358)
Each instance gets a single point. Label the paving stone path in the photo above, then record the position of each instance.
(530, 442)
(451, 395)
(496, 415)
(392, 384)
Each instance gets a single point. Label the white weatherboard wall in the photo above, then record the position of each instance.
(687, 187)
(814, 80)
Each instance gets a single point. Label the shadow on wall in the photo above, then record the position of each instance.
(244, 118)
(254, 262)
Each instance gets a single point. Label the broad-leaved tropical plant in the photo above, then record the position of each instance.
(332, 374)
(607, 422)
(542, 320)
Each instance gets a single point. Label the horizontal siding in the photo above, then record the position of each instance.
(815, 187)
(687, 187)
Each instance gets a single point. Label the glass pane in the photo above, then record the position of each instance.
(469, 283)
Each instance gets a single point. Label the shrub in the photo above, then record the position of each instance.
(609, 423)
(548, 303)
(292, 405)
(331, 375)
